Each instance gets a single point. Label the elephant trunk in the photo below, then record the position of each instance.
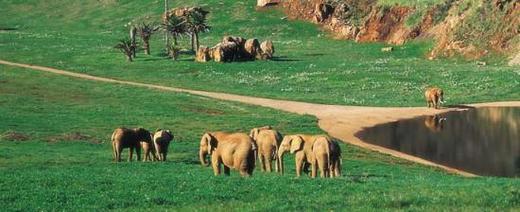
(202, 157)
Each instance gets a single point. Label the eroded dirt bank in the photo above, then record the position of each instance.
(460, 27)
(341, 122)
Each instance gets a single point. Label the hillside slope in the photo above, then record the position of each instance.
(472, 28)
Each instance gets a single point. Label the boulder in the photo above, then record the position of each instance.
(203, 54)
(267, 50)
(263, 3)
(224, 52)
(252, 48)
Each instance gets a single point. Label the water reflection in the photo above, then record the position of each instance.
(484, 141)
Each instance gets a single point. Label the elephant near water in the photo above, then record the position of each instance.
(434, 97)
(233, 150)
(326, 152)
(267, 141)
(128, 138)
(161, 140)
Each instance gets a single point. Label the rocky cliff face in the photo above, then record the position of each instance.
(471, 28)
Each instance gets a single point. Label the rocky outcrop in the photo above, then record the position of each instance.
(468, 28)
(263, 3)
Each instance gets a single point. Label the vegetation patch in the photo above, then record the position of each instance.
(14, 136)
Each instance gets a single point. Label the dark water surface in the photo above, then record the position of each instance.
(483, 141)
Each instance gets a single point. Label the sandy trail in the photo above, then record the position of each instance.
(341, 122)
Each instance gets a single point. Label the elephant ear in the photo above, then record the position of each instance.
(169, 133)
(210, 141)
(296, 144)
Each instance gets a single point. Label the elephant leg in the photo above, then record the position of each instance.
(119, 149)
(215, 163)
(138, 152)
(338, 168)
(165, 154)
(268, 163)
(313, 169)
(131, 149)
(226, 170)
(299, 165)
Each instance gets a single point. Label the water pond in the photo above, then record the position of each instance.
(483, 141)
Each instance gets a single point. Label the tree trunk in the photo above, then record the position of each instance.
(192, 36)
(129, 58)
(174, 40)
(133, 32)
(197, 40)
(166, 36)
(146, 46)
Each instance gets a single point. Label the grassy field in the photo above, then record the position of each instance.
(79, 35)
(65, 161)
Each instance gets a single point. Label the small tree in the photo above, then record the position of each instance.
(126, 47)
(176, 27)
(145, 31)
(196, 23)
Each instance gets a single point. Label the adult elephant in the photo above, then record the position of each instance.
(128, 138)
(233, 150)
(327, 157)
(267, 141)
(307, 154)
(161, 140)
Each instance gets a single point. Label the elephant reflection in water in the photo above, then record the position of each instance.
(434, 123)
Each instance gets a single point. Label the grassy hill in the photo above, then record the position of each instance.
(310, 66)
(64, 162)
(62, 159)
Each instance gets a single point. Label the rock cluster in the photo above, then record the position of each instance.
(233, 48)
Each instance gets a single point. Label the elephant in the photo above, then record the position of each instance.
(233, 150)
(128, 138)
(267, 141)
(161, 140)
(305, 155)
(434, 97)
(301, 146)
(327, 157)
(252, 48)
(267, 50)
(149, 150)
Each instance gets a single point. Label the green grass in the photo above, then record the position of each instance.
(45, 174)
(79, 35)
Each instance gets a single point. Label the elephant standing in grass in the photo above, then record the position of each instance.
(267, 141)
(327, 157)
(128, 138)
(149, 150)
(161, 140)
(301, 146)
(233, 150)
(325, 152)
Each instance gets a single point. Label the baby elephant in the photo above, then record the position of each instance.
(161, 140)
(434, 97)
(128, 138)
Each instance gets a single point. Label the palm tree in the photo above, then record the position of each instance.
(176, 27)
(196, 23)
(146, 30)
(126, 47)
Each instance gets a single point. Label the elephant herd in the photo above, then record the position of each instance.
(155, 145)
(240, 151)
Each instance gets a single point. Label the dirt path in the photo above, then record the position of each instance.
(341, 122)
